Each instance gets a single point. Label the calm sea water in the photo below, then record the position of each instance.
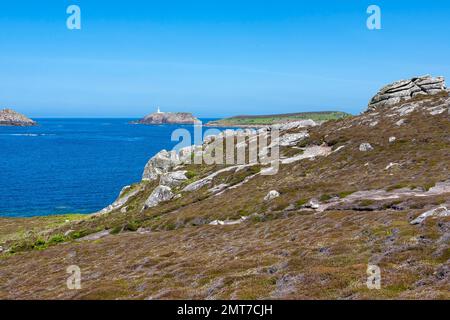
(74, 165)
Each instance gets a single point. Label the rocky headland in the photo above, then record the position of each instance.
(372, 189)
(168, 118)
(10, 117)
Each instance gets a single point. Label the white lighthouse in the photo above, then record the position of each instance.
(158, 111)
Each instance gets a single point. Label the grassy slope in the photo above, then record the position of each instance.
(21, 228)
(286, 251)
(271, 119)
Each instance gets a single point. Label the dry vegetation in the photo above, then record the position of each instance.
(284, 250)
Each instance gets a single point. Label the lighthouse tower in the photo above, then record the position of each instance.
(159, 111)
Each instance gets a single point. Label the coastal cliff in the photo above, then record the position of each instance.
(10, 117)
(168, 118)
(372, 189)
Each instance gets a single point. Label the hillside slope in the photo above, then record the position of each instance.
(265, 120)
(348, 193)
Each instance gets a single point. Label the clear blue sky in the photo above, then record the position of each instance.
(213, 58)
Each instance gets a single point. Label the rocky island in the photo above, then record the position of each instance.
(10, 117)
(159, 117)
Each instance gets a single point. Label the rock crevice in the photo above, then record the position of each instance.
(405, 90)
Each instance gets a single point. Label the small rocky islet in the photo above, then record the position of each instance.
(9, 117)
(159, 117)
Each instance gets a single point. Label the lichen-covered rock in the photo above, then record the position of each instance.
(10, 117)
(441, 211)
(161, 163)
(309, 153)
(126, 194)
(405, 90)
(313, 204)
(294, 125)
(160, 194)
(291, 139)
(271, 195)
(209, 139)
(364, 147)
(95, 236)
(185, 153)
(172, 179)
(227, 222)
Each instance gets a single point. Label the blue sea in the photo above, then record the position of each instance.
(74, 165)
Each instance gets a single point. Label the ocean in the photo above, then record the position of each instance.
(74, 165)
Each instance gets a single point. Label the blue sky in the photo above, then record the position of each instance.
(213, 58)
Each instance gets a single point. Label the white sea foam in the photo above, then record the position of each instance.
(27, 134)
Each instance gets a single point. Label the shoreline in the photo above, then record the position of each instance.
(255, 126)
(10, 217)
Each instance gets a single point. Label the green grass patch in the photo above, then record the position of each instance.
(345, 194)
(271, 119)
(325, 197)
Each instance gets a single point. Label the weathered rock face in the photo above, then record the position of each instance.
(172, 179)
(127, 193)
(294, 125)
(313, 204)
(291, 139)
(168, 118)
(9, 117)
(364, 147)
(186, 153)
(441, 211)
(405, 90)
(161, 163)
(271, 195)
(160, 194)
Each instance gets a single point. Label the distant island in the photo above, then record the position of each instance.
(159, 117)
(265, 120)
(10, 117)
